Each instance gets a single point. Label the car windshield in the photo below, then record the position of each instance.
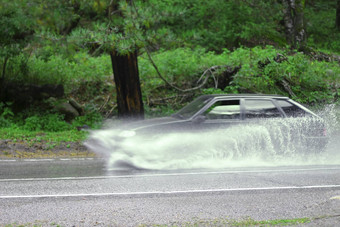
(193, 107)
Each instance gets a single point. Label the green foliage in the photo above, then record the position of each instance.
(93, 120)
(262, 70)
(209, 91)
(6, 115)
(321, 29)
(116, 28)
(55, 16)
(178, 65)
(159, 111)
(15, 26)
(41, 120)
(72, 38)
(15, 32)
(311, 81)
(47, 122)
(18, 134)
(58, 70)
(214, 24)
(246, 222)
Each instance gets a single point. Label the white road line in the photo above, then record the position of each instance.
(336, 197)
(169, 192)
(45, 159)
(38, 160)
(169, 174)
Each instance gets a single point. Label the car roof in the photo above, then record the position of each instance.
(246, 96)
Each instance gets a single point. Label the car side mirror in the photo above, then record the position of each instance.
(199, 119)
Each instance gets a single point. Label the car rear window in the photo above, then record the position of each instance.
(261, 109)
(291, 110)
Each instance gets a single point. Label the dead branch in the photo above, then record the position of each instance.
(110, 112)
(105, 103)
(286, 86)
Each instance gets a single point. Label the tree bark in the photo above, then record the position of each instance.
(294, 22)
(126, 78)
(337, 19)
(2, 80)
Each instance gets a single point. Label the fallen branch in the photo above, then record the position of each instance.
(105, 103)
(212, 72)
(110, 112)
(286, 86)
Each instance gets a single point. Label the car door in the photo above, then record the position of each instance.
(267, 122)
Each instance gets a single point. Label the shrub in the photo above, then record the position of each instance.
(59, 70)
(321, 26)
(6, 115)
(93, 120)
(179, 66)
(310, 80)
(47, 122)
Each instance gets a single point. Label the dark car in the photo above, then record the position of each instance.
(221, 112)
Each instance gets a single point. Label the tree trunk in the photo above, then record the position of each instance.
(2, 80)
(337, 19)
(294, 22)
(126, 78)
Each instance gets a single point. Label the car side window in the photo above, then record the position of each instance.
(227, 109)
(291, 110)
(261, 109)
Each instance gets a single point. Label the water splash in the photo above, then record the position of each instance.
(271, 143)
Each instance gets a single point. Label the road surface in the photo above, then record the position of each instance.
(83, 193)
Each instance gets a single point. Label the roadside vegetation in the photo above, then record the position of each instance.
(243, 222)
(184, 50)
(216, 222)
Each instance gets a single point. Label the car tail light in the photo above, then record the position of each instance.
(324, 133)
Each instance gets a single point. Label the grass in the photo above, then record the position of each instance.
(36, 224)
(214, 222)
(231, 222)
(40, 136)
(280, 222)
(18, 143)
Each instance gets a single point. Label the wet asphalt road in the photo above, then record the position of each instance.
(84, 193)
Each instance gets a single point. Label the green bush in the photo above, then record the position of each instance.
(213, 24)
(36, 119)
(33, 123)
(59, 70)
(47, 122)
(6, 115)
(321, 29)
(262, 70)
(179, 66)
(55, 123)
(310, 80)
(93, 120)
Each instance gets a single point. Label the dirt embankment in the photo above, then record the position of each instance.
(22, 149)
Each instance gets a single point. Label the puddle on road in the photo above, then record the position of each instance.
(274, 143)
